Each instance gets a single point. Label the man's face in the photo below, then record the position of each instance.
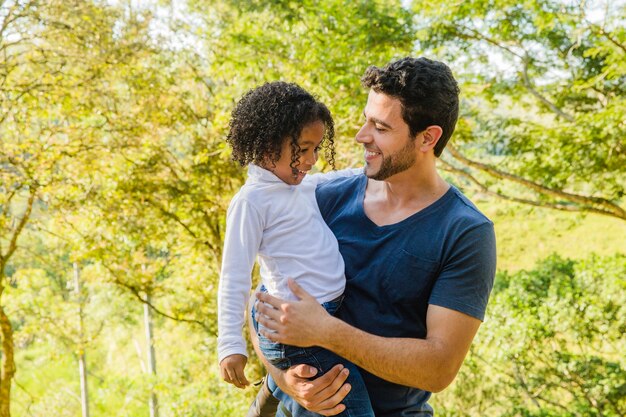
(309, 142)
(389, 149)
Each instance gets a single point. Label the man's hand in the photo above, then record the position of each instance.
(231, 369)
(297, 323)
(322, 395)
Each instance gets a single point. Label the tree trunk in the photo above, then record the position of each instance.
(147, 314)
(7, 371)
(82, 363)
(8, 361)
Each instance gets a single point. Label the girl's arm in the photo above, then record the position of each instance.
(244, 230)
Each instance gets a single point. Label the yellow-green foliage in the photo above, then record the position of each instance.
(112, 124)
(552, 344)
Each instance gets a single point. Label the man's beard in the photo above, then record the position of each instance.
(395, 163)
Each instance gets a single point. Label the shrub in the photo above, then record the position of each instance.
(552, 345)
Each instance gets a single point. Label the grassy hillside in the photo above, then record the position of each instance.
(527, 234)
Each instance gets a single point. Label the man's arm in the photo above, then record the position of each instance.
(322, 395)
(430, 364)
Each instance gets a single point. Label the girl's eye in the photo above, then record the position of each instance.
(305, 150)
(317, 149)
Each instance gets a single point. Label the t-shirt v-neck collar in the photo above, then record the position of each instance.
(413, 217)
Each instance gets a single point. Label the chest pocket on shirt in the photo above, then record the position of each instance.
(408, 277)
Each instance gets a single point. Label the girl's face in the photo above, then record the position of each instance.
(309, 142)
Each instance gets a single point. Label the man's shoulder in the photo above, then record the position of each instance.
(464, 211)
(336, 195)
(339, 184)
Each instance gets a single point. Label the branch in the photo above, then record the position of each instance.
(178, 220)
(520, 380)
(534, 397)
(215, 228)
(514, 374)
(474, 34)
(7, 213)
(540, 97)
(200, 77)
(12, 194)
(137, 294)
(135, 291)
(172, 216)
(18, 230)
(8, 19)
(479, 36)
(607, 35)
(564, 207)
(577, 381)
(31, 397)
(586, 203)
(554, 403)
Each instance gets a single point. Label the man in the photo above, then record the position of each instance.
(420, 258)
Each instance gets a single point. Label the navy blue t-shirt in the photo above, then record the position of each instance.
(445, 255)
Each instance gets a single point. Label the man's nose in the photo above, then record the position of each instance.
(363, 136)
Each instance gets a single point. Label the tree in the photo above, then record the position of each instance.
(28, 151)
(544, 86)
(58, 112)
(82, 362)
(120, 152)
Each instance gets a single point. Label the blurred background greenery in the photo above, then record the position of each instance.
(115, 178)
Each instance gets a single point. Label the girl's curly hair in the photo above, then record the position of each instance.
(268, 115)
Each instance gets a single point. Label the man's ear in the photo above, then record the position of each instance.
(430, 137)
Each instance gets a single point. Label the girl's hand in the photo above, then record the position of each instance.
(231, 369)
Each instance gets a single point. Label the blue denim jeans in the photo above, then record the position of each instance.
(282, 356)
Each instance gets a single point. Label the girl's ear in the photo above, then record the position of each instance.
(267, 164)
(430, 137)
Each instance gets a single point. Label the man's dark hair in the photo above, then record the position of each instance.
(268, 115)
(427, 90)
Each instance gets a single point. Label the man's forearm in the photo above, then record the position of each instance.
(430, 364)
(410, 362)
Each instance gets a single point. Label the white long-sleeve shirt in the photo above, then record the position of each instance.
(281, 225)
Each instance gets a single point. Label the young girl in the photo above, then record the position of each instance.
(277, 130)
